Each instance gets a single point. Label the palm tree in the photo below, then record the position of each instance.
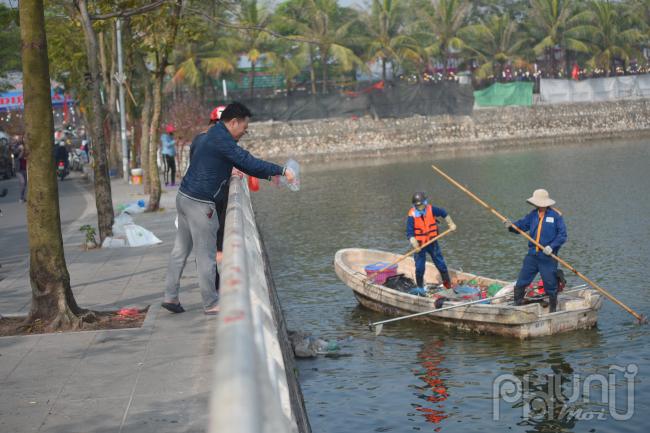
(288, 59)
(445, 20)
(610, 40)
(638, 11)
(384, 25)
(322, 25)
(201, 63)
(254, 22)
(495, 41)
(558, 23)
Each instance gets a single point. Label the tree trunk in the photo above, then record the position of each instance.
(145, 115)
(103, 197)
(52, 299)
(251, 81)
(444, 64)
(145, 123)
(312, 71)
(324, 57)
(115, 152)
(154, 178)
(102, 59)
(383, 69)
(162, 55)
(567, 71)
(110, 123)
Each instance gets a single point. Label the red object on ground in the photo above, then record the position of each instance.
(128, 312)
(253, 183)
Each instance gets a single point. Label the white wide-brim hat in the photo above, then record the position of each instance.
(541, 198)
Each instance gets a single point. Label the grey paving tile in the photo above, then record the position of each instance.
(109, 381)
(174, 413)
(22, 415)
(85, 416)
(170, 375)
(83, 382)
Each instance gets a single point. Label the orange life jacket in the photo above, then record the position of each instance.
(425, 227)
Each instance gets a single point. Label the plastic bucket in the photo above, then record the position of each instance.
(374, 274)
(136, 176)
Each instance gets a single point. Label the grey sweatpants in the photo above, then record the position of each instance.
(197, 227)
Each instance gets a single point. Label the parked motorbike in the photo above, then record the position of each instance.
(75, 160)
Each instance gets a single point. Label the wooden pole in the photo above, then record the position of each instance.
(640, 318)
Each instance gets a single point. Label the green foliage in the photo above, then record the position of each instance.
(326, 41)
(609, 36)
(65, 47)
(495, 41)
(9, 42)
(90, 234)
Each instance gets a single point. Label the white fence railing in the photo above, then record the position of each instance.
(249, 389)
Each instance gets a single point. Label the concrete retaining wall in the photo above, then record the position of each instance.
(485, 128)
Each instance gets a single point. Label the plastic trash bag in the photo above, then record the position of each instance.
(139, 236)
(128, 234)
(295, 167)
(110, 242)
(506, 290)
(133, 207)
(399, 282)
(418, 291)
(120, 221)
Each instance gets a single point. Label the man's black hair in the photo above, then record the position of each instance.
(235, 110)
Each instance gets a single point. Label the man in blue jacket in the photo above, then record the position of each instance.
(214, 154)
(546, 225)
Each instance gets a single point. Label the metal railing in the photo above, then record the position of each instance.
(249, 390)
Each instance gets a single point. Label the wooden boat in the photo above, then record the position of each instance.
(576, 310)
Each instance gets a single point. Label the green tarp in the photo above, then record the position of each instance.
(500, 95)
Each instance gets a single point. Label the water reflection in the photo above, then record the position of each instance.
(434, 391)
(545, 397)
(382, 385)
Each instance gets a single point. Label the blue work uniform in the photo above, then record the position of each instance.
(552, 232)
(432, 249)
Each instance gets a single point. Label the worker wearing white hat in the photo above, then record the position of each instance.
(546, 225)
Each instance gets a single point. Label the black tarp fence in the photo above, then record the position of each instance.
(393, 101)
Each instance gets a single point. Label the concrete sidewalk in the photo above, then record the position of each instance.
(152, 379)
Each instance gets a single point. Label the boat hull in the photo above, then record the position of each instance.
(578, 310)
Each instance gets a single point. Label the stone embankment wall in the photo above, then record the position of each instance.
(484, 129)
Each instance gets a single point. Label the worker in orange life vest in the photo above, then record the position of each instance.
(421, 226)
(546, 225)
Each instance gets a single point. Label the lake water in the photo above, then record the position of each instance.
(419, 377)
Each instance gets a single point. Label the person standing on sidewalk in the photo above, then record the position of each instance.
(20, 159)
(169, 154)
(214, 155)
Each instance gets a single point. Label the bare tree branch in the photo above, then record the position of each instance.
(129, 12)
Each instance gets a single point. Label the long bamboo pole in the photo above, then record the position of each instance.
(640, 318)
